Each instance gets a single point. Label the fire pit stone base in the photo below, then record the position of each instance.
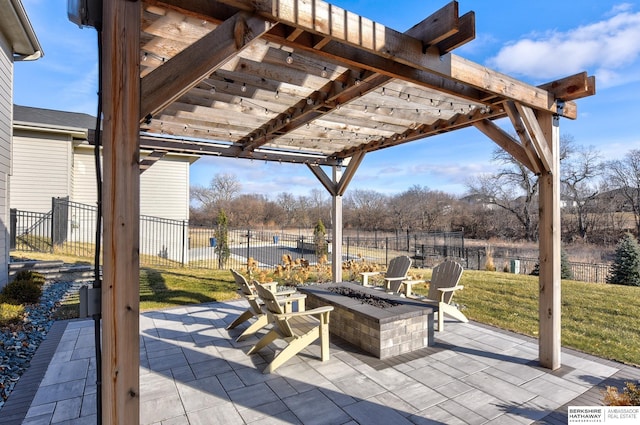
(383, 332)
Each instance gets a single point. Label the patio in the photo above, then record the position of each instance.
(192, 372)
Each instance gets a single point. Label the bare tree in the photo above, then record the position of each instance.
(514, 188)
(580, 172)
(368, 208)
(221, 190)
(420, 208)
(624, 177)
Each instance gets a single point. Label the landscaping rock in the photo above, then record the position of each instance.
(19, 342)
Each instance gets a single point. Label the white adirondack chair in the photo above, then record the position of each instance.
(256, 306)
(444, 283)
(395, 274)
(299, 329)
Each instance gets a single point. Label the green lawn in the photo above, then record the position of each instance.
(598, 319)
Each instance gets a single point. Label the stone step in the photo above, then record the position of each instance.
(56, 270)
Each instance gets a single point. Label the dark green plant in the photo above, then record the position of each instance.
(21, 292)
(222, 238)
(30, 275)
(625, 269)
(319, 239)
(565, 267)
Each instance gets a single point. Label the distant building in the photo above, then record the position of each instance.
(18, 42)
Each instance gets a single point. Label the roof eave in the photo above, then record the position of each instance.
(21, 35)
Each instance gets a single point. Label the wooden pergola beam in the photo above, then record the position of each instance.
(151, 159)
(536, 135)
(573, 87)
(508, 143)
(521, 130)
(370, 45)
(348, 28)
(168, 82)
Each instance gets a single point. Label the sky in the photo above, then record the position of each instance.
(535, 42)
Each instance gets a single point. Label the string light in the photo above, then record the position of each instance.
(243, 89)
(290, 59)
(324, 73)
(277, 94)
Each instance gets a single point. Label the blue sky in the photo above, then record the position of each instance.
(535, 42)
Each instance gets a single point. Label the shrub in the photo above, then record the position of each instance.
(319, 233)
(565, 267)
(489, 264)
(22, 292)
(630, 396)
(10, 313)
(625, 269)
(30, 275)
(222, 235)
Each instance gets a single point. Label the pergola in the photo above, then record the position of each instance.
(297, 81)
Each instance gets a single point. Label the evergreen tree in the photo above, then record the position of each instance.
(222, 237)
(319, 239)
(625, 269)
(565, 267)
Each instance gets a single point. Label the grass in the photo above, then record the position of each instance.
(596, 318)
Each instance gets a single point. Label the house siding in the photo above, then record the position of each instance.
(6, 119)
(41, 170)
(164, 187)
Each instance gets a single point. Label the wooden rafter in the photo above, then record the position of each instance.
(182, 72)
(151, 159)
(509, 144)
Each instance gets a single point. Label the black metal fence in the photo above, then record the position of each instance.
(69, 228)
(477, 259)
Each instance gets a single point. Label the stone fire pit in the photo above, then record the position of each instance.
(401, 327)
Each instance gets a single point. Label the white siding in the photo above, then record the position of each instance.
(164, 187)
(6, 115)
(84, 177)
(41, 170)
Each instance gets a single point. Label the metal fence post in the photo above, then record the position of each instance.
(248, 244)
(386, 255)
(347, 248)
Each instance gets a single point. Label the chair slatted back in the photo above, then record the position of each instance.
(248, 292)
(274, 307)
(445, 275)
(399, 266)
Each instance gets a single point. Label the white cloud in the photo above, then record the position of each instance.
(608, 48)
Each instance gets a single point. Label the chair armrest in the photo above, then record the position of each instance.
(408, 283)
(292, 297)
(455, 288)
(443, 291)
(366, 275)
(393, 279)
(318, 310)
(286, 292)
(270, 286)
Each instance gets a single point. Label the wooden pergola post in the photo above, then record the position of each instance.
(549, 346)
(336, 231)
(121, 206)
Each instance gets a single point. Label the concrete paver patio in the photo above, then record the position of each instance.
(193, 372)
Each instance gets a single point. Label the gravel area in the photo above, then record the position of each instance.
(19, 342)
